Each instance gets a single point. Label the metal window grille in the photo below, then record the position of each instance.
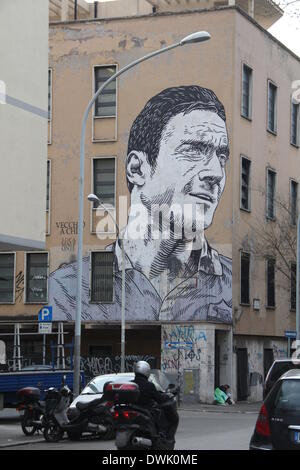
(271, 179)
(246, 91)
(49, 94)
(245, 278)
(272, 96)
(293, 285)
(105, 105)
(7, 269)
(102, 277)
(271, 282)
(104, 180)
(294, 202)
(48, 185)
(37, 277)
(295, 123)
(245, 184)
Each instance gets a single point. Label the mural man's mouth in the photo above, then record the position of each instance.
(203, 197)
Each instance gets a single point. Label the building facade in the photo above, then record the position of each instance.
(23, 130)
(212, 126)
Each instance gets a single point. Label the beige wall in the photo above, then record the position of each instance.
(23, 130)
(264, 149)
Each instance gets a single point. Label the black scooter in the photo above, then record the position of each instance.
(138, 427)
(31, 410)
(93, 417)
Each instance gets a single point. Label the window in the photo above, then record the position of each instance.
(293, 285)
(293, 201)
(102, 264)
(295, 124)
(104, 180)
(7, 274)
(270, 282)
(105, 105)
(246, 92)
(48, 185)
(49, 94)
(245, 278)
(272, 107)
(245, 184)
(36, 277)
(271, 181)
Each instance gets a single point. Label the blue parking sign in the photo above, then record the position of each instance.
(45, 314)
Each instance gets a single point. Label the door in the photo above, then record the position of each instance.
(268, 361)
(242, 374)
(217, 361)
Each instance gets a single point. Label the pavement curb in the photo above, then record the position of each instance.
(21, 443)
(218, 411)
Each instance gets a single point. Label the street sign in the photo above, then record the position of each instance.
(290, 334)
(45, 314)
(45, 328)
(178, 345)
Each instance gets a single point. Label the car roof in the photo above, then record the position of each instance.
(291, 374)
(287, 359)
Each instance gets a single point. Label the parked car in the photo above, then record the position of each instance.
(278, 422)
(279, 367)
(94, 389)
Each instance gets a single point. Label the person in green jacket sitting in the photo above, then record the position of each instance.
(222, 395)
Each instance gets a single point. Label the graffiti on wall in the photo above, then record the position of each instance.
(95, 365)
(176, 173)
(19, 286)
(184, 346)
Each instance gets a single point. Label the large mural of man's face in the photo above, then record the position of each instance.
(190, 166)
(177, 152)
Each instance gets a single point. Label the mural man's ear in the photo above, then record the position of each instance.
(137, 168)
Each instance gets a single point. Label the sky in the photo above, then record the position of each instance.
(287, 30)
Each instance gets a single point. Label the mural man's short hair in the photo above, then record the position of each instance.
(147, 129)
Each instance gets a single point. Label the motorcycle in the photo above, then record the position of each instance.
(31, 410)
(138, 427)
(94, 417)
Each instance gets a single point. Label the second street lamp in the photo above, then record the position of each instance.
(199, 36)
(93, 198)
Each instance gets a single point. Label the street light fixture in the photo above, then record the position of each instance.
(199, 36)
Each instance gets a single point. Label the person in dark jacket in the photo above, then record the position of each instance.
(149, 396)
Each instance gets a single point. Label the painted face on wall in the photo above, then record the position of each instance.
(190, 167)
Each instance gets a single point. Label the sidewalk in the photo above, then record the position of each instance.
(239, 407)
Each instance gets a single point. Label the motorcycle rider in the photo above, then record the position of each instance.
(149, 396)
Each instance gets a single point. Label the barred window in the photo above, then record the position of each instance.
(272, 107)
(104, 180)
(49, 94)
(7, 270)
(295, 124)
(247, 91)
(293, 201)
(270, 282)
(293, 285)
(245, 278)
(102, 264)
(245, 184)
(105, 105)
(48, 184)
(271, 180)
(36, 277)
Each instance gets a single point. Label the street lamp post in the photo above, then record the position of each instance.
(200, 36)
(93, 198)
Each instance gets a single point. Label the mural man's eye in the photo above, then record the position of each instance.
(223, 159)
